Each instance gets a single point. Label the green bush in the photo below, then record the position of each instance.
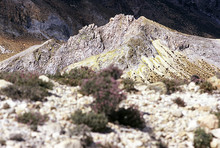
(202, 139)
(75, 77)
(128, 85)
(96, 121)
(25, 86)
(129, 117)
(172, 85)
(27, 79)
(33, 93)
(32, 118)
(206, 87)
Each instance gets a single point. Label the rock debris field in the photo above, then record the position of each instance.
(166, 122)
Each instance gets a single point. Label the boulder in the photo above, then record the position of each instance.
(209, 121)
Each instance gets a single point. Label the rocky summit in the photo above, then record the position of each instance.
(144, 49)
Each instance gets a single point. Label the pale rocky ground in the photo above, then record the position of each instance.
(165, 121)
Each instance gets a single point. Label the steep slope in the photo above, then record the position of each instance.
(146, 50)
(25, 23)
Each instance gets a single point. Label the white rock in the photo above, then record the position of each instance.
(44, 78)
(177, 113)
(216, 133)
(4, 84)
(192, 86)
(192, 126)
(69, 143)
(209, 121)
(215, 143)
(51, 128)
(137, 143)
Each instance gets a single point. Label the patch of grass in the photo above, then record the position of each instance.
(33, 119)
(129, 117)
(75, 77)
(128, 85)
(202, 139)
(179, 102)
(25, 86)
(96, 121)
(206, 87)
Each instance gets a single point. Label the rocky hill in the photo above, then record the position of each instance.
(145, 50)
(28, 22)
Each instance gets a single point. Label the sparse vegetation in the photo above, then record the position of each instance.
(75, 77)
(179, 102)
(202, 139)
(33, 119)
(172, 85)
(128, 85)
(96, 121)
(82, 131)
(105, 89)
(111, 71)
(206, 87)
(129, 117)
(25, 86)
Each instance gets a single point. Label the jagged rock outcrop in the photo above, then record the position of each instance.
(25, 23)
(33, 59)
(146, 50)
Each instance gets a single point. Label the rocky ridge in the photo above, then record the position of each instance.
(27, 22)
(145, 50)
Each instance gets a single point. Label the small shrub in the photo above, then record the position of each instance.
(83, 132)
(33, 93)
(27, 79)
(33, 119)
(106, 91)
(26, 86)
(179, 102)
(128, 85)
(206, 87)
(111, 71)
(172, 85)
(75, 77)
(97, 122)
(202, 139)
(129, 117)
